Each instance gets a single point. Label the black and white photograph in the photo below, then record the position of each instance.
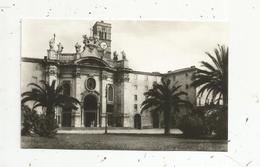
(151, 83)
(124, 85)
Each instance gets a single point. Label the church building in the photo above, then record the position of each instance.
(108, 89)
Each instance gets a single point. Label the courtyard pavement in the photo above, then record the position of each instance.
(114, 131)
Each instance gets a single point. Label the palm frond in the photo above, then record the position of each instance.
(213, 80)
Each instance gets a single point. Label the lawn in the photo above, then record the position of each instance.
(123, 142)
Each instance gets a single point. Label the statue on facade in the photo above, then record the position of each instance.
(52, 42)
(85, 39)
(123, 55)
(77, 47)
(115, 56)
(90, 42)
(96, 38)
(60, 47)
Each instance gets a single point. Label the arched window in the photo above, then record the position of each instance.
(110, 93)
(105, 35)
(100, 35)
(66, 88)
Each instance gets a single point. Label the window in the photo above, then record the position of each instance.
(135, 107)
(105, 35)
(146, 87)
(186, 74)
(58, 118)
(66, 88)
(100, 35)
(135, 97)
(91, 84)
(110, 93)
(135, 87)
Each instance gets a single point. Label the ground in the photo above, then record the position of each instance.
(123, 142)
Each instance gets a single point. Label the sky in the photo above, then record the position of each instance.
(151, 46)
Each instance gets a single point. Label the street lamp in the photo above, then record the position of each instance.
(103, 45)
(106, 116)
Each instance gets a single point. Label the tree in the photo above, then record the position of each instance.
(48, 97)
(213, 79)
(164, 98)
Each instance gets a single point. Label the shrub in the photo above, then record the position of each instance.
(37, 124)
(45, 127)
(191, 125)
(216, 121)
(222, 125)
(29, 118)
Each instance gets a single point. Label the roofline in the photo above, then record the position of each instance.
(182, 70)
(103, 23)
(147, 73)
(192, 68)
(32, 60)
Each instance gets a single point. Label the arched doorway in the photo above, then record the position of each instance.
(90, 111)
(66, 118)
(156, 121)
(137, 121)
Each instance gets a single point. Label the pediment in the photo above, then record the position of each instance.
(92, 61)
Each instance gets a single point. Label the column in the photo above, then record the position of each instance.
(77, 113)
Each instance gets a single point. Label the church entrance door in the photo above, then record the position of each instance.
(156, 121)
(137, 121)
(90, 111)
(66, 118)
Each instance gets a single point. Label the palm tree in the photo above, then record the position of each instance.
(164, 98)
(213, 79)
(48, 97)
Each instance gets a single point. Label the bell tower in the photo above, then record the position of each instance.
(103, 31)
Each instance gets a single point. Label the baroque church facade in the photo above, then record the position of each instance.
(110, 92)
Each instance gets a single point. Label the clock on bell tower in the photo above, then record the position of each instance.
(103, 31)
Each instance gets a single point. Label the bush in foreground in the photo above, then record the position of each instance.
(44, 126)
(48, 97)
(191, 125)
(39, 124)
(29, 117)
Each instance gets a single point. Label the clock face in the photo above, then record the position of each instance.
(103, 45)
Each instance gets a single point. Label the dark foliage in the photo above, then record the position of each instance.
(192, 125)
(216, 121)
(164, 98)
(29, 118)
(213, 79)
(44, 126)
(48, 97)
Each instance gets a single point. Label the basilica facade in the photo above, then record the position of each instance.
(110, 92)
